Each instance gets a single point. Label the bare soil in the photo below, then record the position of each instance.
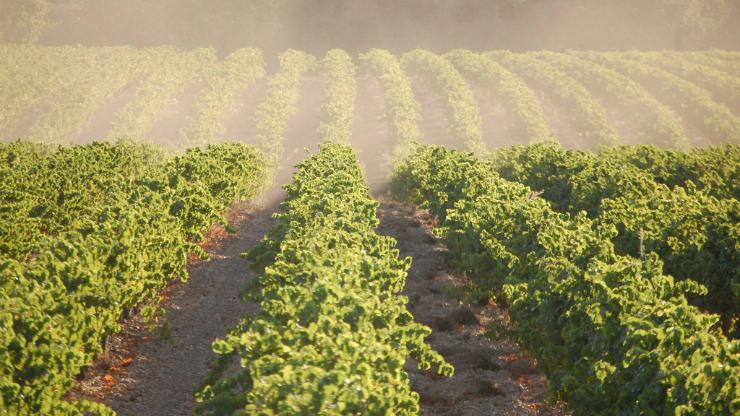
(303, 126)
(156, 371)
(563, 128)
(25, 121)
(371, 136)
(102, 121)
(696, 135)
(239, 123)
(166, 130)
(618, 116)
(301, 134)
(434, 124)
(492, 376)
(496, 122)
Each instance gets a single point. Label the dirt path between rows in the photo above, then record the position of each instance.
(497, 122)
(301, 133)
(491, 377)
(371, 135)
(434, 124)
(156, 372)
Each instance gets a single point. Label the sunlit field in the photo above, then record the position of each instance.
(369, 208)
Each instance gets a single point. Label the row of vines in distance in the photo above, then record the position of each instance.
(670, 99)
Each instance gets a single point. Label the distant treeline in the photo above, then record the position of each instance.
(358, 25)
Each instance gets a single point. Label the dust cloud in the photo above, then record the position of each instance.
(397, 25)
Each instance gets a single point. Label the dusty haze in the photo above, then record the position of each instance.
(397, 25)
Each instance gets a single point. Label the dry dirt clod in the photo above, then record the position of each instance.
(522, 366)
(442, 324)
(463, 316)
(458, 317)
